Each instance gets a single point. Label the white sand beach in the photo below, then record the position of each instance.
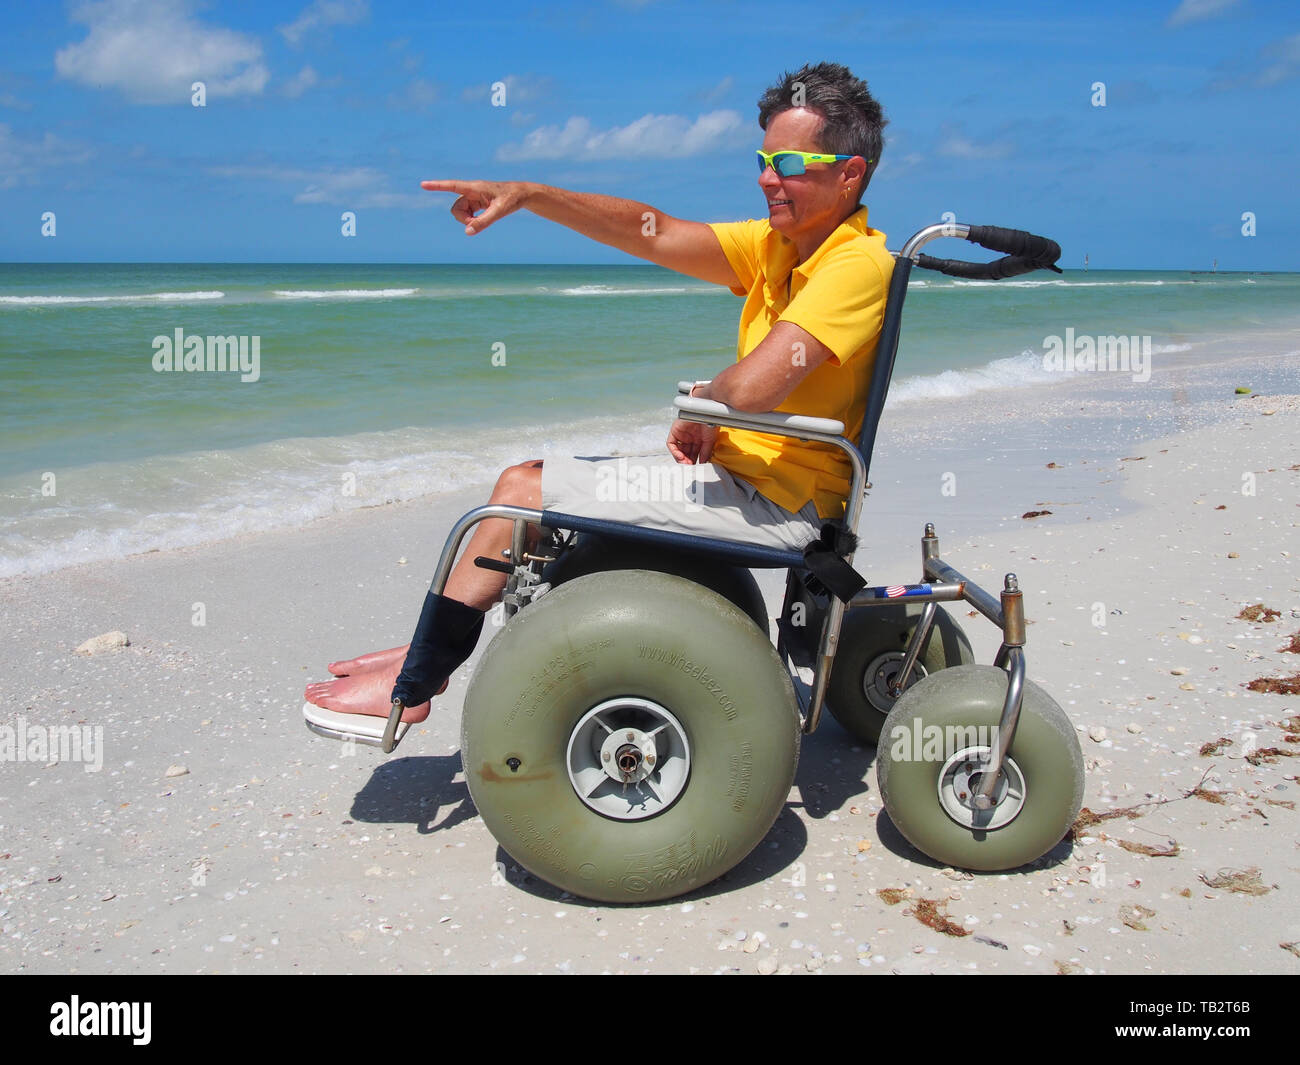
(277, 851)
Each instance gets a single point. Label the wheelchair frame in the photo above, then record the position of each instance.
(811, 672)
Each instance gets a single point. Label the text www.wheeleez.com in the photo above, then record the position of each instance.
(1183, 1031)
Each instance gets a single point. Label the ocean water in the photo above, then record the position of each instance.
(374, 383)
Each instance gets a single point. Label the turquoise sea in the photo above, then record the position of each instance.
(377, 383)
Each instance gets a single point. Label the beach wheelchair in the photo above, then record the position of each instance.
(631, 733)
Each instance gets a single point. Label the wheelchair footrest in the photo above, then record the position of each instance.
(357, 728)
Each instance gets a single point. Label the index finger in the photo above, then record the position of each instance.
(447, 186)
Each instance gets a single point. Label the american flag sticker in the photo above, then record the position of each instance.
(895, 590)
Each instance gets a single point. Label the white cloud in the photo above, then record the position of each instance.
(321, 14)
(1199, 10)
(673, 136)
(1283, 61)
(305, 79)
(22, 161)
(357, 187)
(1273, 64)
(716, 92)
(154, 50)
(337, 186)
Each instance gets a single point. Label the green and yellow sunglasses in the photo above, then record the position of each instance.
(792, 164)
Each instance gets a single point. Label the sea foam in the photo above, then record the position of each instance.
(139, 297)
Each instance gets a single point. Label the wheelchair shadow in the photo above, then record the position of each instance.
(777, 852)
(416, 791)
(896, 843)
(833, 771)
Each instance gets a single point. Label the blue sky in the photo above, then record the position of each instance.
(316, 107)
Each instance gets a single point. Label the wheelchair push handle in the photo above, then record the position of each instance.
(1015, 242)
(1022, 252)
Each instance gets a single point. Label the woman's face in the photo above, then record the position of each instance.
(812, 203)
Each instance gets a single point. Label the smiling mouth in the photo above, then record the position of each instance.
(779, 203)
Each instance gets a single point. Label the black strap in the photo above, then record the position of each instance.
(828, 572)
(445, 636)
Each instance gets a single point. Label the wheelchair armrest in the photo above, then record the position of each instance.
(684, 387)
(713, 412)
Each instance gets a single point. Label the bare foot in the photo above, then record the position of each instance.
(374, 660)
(367, 693)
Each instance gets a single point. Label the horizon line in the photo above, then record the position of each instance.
(602, 265)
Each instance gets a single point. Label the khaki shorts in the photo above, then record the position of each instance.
(656, 492)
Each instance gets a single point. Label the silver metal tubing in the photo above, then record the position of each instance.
(929, 546)
(458, 531)
(935, 232)
(975, 595)
(919, 636)
(756, 421)
(857, 494)
(518, 541)
(825, 659)
(390, 730)
(1013, 612)
(938, 593)
(1015, 659)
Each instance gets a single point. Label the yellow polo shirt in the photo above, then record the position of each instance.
(838, 296)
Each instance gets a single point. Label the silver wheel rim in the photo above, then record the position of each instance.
(880, 673)
(960, 779)
(628, 759)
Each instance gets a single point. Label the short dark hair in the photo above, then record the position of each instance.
(852, 119)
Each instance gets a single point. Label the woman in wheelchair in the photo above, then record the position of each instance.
(813, 275)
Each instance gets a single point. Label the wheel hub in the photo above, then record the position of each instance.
(959, 783)
(628, 755)
(880, 676)
(628, 758)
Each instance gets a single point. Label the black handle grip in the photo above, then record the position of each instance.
(1022, 254)
(1007, 266)
(1015, 242)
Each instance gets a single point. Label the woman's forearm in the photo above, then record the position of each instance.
(623, 224)
(635, 228)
